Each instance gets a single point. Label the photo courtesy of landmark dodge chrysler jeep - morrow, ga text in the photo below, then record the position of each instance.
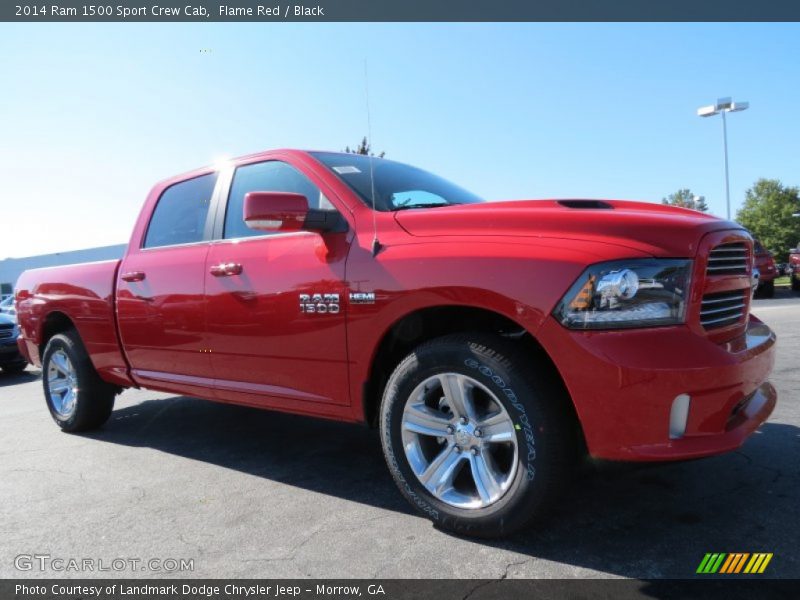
(492, 344)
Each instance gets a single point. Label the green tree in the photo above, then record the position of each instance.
(686, 199)
(767, 213)
(363, 148)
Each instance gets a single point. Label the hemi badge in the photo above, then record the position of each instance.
(362, 297)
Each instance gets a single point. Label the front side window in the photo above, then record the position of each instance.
(397, 186)
(270, 176)
(181, 211)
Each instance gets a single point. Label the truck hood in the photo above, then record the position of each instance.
(654, 229)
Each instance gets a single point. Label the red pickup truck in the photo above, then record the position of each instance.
(491, 343)
(767, 271)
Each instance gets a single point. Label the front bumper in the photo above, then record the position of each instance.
(624, 384)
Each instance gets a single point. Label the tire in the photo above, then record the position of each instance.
(766, 290)
(795, 282)
(86, 401)
(14, 368)
(528, 466)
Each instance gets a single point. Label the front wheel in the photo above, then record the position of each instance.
(77, 398)
(472, 440)
(795, 282)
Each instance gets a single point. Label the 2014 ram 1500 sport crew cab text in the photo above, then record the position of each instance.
(491, 343)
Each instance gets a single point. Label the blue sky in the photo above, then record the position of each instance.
(91, 115)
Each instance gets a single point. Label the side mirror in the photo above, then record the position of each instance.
(275, 211)
(284, 211)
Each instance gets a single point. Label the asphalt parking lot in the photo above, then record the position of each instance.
(248, 493)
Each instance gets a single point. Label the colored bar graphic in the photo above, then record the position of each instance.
(724, 563)
(758, 563)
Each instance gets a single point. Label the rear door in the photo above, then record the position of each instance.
(265, 350)
(160, 292)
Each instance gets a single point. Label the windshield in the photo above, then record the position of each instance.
(397, 186)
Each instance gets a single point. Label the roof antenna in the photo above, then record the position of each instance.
(376, 245)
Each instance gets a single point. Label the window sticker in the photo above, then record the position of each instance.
(347, 170)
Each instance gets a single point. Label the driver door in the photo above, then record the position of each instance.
(264, 350)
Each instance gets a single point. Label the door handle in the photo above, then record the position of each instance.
(133, 276)
(226, 269)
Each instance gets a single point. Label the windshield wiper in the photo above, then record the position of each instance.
(423, 205)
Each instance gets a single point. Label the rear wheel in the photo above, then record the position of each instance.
(795, 282)
(77, 398)
(474, 443)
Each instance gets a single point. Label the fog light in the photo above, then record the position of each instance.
(678, 416)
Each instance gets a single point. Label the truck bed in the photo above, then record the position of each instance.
(44, 300)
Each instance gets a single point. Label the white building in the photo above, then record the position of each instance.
(12, 268)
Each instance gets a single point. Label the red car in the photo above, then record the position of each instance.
(767, 271)
(491, 343)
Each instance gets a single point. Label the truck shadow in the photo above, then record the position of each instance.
(632, 520)
(7, 379)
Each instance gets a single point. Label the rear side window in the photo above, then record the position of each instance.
(270, 176)
(181, 211)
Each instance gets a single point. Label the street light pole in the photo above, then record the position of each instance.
(722, 106)
(727, 176)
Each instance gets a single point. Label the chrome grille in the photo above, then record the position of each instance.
(6, 332)
(728, 259)
(725, 308)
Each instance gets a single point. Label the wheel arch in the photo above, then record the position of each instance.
(54, 323)
(424, 324)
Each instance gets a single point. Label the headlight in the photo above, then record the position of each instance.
(627, 293)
